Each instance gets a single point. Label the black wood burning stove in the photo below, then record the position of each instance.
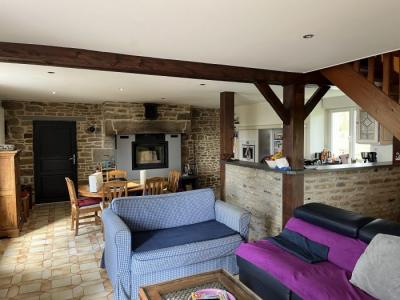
(149, 151)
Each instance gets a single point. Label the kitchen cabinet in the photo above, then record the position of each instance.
(367, 128)
(385, 136)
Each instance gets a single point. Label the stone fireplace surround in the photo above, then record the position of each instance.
(199, 128)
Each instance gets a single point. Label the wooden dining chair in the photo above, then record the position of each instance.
(117, 175)
(82, 208)
(112, 190)
(154, 186)
(173, 181)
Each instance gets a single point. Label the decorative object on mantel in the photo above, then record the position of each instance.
(7, 147)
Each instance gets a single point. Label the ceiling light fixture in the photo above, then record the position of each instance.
(53, 92)
(202, 84)
(163, 98)
(51, 72)
(308, 36)
(121, 89)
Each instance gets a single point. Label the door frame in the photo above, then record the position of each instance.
(36, 177)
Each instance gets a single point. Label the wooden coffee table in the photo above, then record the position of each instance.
(181, 289)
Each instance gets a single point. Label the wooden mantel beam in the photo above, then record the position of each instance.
(314, 100)
(273, 100)
(106, 61)
(366, 95)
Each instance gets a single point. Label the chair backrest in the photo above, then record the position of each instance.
(142, 213)
(173, 180)
(116, 174)
(154, 186)
(71, 191)
(114, 189)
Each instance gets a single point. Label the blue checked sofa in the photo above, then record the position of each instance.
(151, 239)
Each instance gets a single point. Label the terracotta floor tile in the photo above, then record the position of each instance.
(28, 276)
(29, 288)
(48, 262)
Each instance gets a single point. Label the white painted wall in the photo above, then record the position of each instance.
(255, 116)
(2, 125)
(315, 131)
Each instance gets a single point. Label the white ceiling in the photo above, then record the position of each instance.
(253, 33)
(31, 82)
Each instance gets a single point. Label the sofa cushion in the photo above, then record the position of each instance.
(309, 281)
(165, 211)
(300, 246)
(164, 238)
(183, 255)
(88, 201)
(335, 219)
(368, 232)
(378, 270)
(343, 251)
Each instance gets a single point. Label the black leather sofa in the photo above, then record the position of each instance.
(328, 217)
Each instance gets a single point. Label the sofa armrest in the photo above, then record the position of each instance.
(117, 250)
(234, 217)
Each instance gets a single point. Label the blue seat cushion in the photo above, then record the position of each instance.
(176, 236)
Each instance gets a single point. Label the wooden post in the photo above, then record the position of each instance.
(293, 149)
(386, 88)
(227, 102)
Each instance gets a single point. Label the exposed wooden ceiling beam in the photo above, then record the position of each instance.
(366, 95)
(105, 61)
(273, 100)
(314, 100)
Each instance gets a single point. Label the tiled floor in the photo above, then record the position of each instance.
(48, 262)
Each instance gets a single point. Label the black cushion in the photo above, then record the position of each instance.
(164, 238)
(368, 232)
(300, 246)
(332, 218)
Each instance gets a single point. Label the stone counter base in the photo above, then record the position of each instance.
(371, 191)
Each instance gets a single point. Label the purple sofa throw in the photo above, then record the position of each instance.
(324, 280)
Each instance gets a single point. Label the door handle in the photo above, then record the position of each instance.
(73, 158)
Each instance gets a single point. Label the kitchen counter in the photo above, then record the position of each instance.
(371, 189)
(311, 169)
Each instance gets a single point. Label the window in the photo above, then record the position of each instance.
(343, 129)
(340, 132)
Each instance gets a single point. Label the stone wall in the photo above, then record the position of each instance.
(260, 192)
(373, 191)
(370, 191)
(19, 120)
(128, 118)
(202, 146)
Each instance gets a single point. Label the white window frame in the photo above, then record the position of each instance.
(352, 128)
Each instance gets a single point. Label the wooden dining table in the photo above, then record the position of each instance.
(83, 189)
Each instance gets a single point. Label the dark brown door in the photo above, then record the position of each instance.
(54, 147)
